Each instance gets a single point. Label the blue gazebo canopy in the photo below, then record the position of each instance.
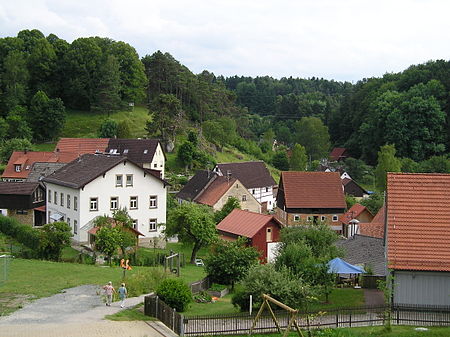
(339, 266)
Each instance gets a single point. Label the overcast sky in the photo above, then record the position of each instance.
(334, 39)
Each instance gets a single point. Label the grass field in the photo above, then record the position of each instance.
(379, 331)
(86, 124)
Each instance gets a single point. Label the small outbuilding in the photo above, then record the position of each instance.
(261, 230)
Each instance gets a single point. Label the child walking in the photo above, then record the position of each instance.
(122, 294)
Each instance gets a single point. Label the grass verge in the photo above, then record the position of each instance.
(135, 313)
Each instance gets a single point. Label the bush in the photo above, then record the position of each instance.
(175, 293)
(24, 234)
(144, 281)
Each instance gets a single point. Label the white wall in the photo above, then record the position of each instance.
(264, 196)
(158, 161)
(104, 187)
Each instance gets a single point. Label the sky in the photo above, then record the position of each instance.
(344, 40)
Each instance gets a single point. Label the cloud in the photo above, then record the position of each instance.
(343, 40)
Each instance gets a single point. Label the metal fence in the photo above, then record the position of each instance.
(201, 285)
(240, 323)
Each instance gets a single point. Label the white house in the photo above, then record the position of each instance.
(256, 178)
(96, 184)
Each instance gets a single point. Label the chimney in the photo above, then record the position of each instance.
(228, 176)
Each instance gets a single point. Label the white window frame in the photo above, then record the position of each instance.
(93, 202)
(244, 197)
(75, 203)
(296, 217)
(153, 223)
(17, 168)
(68, 201)
(135, 223)
(310, 218)
(119, 180)
(127, 184)
(134, 200)
(153, 201)
(114, 200)
(335, 218)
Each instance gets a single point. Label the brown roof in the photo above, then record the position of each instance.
(375, 228)
(94, 230)
(82, 145)
(138, 150)
(418, 221)
(196, 184)
(338, 153)
(252, 174)
(18, 188)
(245, 223)
(312, 189)
(353, 213)
(87, 167)
(215, 191)
(28, 158)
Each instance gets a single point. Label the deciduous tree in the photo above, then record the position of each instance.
(194, 224)
(387, 162)
(299, 159)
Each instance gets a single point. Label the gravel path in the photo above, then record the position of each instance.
(74, 305)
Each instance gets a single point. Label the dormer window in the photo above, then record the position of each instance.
(145, 151)
(17, 168)
(125, 151)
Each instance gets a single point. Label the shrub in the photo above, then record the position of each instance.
(144, 281)
(24, 234)
(175, 293)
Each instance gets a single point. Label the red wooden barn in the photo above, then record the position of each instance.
(261, 230)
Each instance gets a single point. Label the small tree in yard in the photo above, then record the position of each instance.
(193, 223)
(107, 241)
(230, 261)
(231, 204)
(53, 238)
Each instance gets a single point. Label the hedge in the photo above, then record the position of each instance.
(24, 234)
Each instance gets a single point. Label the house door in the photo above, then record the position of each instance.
(269, 234)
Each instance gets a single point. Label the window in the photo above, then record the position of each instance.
(22, 211)
(17, 168)
(93, 204)
(153, 201)
(310, 218)
(68, 221)
(49, 196)
(237, 185)
(135, 223)
(62, 199)
(296, 217)
(75, 226)
(114, 203)
(75, 203)
(152, 225)
(125, 151)
(118, 180)
(133, 202)
(335, 218)
(129, 180)
(68, 201)
(267, 189)
(155, 165)
(269, 234)
(49, 216)
(55, 200)
(253, 191)
(323, 218)
(244, 197)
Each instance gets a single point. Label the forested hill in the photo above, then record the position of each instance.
(41, 76)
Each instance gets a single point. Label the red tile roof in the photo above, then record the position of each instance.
(353, 213)
(312, 190)
(82, 145)
(418, 221)
(28, 158)
(245, 223)
(338, 153)
(375, 228)
(215, 191)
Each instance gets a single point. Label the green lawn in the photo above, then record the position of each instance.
(49, 147)
(86, 124)
(341, 297)
(133, 314)
(220, 307)
(379, 331)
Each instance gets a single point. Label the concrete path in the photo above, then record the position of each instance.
(75, 312)
(373, 297)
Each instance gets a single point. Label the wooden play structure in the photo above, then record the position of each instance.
(292, 316)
